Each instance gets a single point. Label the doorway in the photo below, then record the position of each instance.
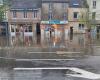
(98, 29)
(38, 30)
(71, 30)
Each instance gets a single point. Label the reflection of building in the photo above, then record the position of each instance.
(77, 15)
(54, 15)
(24, 16)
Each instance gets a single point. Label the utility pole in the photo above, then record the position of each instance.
(50, 16)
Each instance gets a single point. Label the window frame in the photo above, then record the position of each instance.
(14, 14)
(75, 14)
(25, 14)
(94, 4)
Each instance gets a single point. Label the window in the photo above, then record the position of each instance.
(81, 26)
(93, 15)
(28, 28)
(50, 6)
(75, 15)
(65, 16)
(94, 4)
(64, 5)
(35, 14)
(75, 4)
(25, 14)
(50, 15)
(14, 14)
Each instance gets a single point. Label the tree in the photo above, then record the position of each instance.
(3, 9)
(84, 17)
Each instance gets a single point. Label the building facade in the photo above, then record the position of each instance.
(54, 16)
(94, 14)
(77, 16)
(24, 17)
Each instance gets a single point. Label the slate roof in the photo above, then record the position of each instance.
(78, 3)
(21, 4)
(58, 1)
(25, 4)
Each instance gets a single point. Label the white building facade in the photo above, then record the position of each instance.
(94, 14)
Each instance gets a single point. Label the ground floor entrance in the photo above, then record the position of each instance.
(98, 28)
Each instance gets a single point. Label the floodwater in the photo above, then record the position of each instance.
(44, 47)
(69, 51)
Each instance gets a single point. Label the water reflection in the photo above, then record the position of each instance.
(4, 41)
(82, 43)
(19, 41)
(52, 42)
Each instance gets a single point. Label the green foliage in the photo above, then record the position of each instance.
(3, 8)
(84, 17)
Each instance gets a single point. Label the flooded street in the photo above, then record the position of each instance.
(59, 47)
(20, 56)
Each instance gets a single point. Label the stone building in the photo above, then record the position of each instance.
(77, 16)
(54, 16)
(94, 14)
(24, 17)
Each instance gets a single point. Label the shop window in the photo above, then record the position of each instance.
(28, 29)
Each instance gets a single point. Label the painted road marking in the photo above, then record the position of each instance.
(40, 52)
(35, 59)
(97, 46)
(62, 52)
(42, 59)
(57, 52)
(82, 73)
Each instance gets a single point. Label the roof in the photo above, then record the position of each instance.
(78, 4)
(57, 1)
(25, 4)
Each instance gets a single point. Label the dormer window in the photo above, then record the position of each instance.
(75, 4)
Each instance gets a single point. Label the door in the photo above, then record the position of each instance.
(38, 30)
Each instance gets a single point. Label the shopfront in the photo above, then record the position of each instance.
(53, 28)
(21, 29)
